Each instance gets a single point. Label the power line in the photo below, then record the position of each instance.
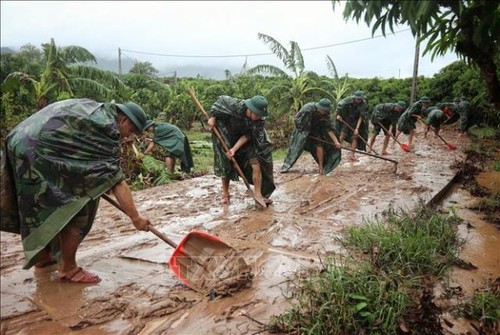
(258, 54)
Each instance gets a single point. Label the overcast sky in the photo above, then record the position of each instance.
(215, 28)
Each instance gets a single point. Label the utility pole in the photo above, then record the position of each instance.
(119, 61)
(413, 96)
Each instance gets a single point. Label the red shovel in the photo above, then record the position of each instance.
(403, 146)
(192, 258)
(449, 145)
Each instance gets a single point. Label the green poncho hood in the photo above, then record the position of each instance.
(174, 142)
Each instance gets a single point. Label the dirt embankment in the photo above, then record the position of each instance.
(139, 294)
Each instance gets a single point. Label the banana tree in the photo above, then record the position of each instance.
(340, 85)
(65, 74)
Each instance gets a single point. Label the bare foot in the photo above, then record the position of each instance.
(386, 153)
(225, 199)
(45, 259)
(260, 201)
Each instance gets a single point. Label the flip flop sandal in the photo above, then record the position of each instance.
(87, 278)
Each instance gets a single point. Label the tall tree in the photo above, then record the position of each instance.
(471, 28)
(144, 68)
(65, 74)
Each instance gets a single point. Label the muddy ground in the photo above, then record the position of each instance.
(139, 294)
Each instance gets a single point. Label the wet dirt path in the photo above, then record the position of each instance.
(139, 293)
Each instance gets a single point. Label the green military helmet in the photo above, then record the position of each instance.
(359, 95)
(149, 123)
(135, 113)
(258, 105)
(324, 104)
(401, 104)
(425, 99)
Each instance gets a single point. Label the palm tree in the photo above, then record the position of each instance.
(65, 75)
(294, 90)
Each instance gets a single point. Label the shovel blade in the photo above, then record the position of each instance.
(451, 146)
(194, 258)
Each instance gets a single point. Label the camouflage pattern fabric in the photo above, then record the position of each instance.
(386, 115)
(406, 122)
(175, 143)
(466, 122)
(58, 163)
(309, 122)
(232, 124)
(350, 112)
(450, 109)
(436, 117)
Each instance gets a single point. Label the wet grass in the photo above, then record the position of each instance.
(485, 307)
(384, 286)
(483, 132)
(413, 244)
(345, 298)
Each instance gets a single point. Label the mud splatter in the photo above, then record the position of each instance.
(213, 268)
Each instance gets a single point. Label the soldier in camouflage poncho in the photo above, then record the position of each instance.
(435, 119)
(407, 120)
(313, 127)
(466, 119)
(384, 117)
(350, 121)
(173, 141)
(58, 162)
(241, 124)
(445, 113)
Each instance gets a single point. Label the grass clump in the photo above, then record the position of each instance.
(423, 243)
(484, 306)
(383, 287)
(345, 299)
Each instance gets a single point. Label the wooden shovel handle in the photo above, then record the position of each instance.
(449, 145)
(150, 228)
(357, 151)
(361, 137)
(404, 147)
(226, 149)
(219, 136)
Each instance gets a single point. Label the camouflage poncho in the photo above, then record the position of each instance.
(450, 109)
(406, 122)
(436, 117)
(386, 115)
(174, 142)
(309, 122)
(57, 161)
(232, 124)
(350, 112)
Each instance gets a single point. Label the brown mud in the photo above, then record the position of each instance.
(210, 266)
(139, 294)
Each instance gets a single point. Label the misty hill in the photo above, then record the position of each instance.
(210, 72)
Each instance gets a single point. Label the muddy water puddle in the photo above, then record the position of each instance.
(482, 247)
